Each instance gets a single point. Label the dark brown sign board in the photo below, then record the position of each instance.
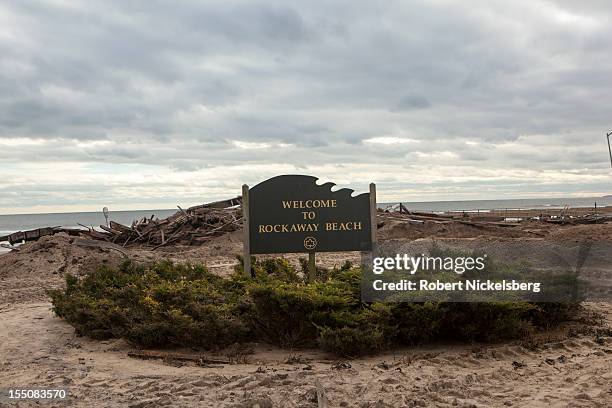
(293, 214)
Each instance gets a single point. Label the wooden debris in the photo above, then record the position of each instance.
(189, 226)
(31, 235)
(484, 219)
(586, 219)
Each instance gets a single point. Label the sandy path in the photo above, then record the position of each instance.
(38, 349)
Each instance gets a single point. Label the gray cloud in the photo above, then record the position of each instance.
(412, 102)
(202, 86)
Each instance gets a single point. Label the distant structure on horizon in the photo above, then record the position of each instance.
(609, 148)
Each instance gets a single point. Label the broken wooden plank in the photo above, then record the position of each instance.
(430, 215)
(232, 202)
(119, 227)
(110, 230)
(29, 235)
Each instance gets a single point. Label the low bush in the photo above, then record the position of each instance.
(158, 305)
(165, 305)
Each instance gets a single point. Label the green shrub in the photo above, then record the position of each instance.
(159, 305)
(278, 268)
(352, 341)
(286, 314)
(488, 322)
(321, 273)
(165, 304)
(417, 322)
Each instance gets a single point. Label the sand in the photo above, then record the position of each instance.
(38, 349)
(570, 367)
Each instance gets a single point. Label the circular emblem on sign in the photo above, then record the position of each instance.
(310, 243)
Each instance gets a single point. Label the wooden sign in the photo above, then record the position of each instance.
(292, 213)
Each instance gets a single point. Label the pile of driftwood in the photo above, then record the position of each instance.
(583, 219)
(400, 212)
(191, 226)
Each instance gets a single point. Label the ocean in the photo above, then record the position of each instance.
(22, 222)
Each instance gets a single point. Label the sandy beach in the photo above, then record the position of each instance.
(569, 366)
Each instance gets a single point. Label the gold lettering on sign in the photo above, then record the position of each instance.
(343, 226)
(309, 215)
(276, 228)
(300, 204)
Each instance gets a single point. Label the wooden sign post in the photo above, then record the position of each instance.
(312, 268)
(373, 210)
(246, 249)
(292, 213)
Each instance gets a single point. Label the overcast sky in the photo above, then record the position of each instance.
(138, 105)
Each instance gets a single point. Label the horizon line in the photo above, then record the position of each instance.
(382, 202)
